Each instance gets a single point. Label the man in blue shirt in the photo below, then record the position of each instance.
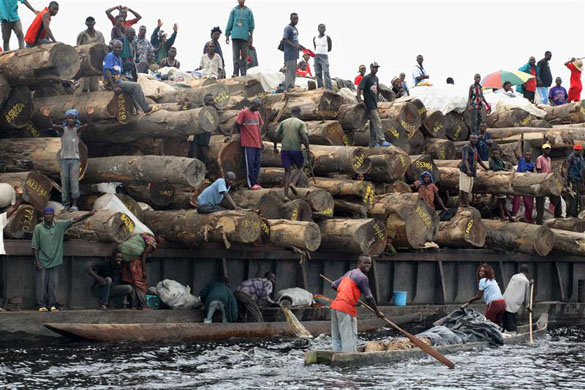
(291, 47)
(11, 21)
(208, 201)
(484, 141)
(112, 71)
(240, 27)
(557, 95)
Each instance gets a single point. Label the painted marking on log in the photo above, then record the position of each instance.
(402, 160)
(28, 227)
(32, 129)
(122, 113)
(437, 128)
(128, 222)
(410, 128)
(345, 140)
(327, 113)
(423, 215)
(248, 223)
(527, 120)
(422, 110)
(457, 132)
(14, 112)
(265, 228)
(222, 97)
(442, 154)
(295, 214)
(378, 232)
(369, 195)
(327, 211)
(33, 186)
(262, 95)
(424, 165)
(394, 132)
(358, 161)
(468, 228)
(167, 193)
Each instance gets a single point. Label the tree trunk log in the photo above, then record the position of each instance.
(347, 209)
(411, 143)
(91, 59)
(317, 104)
(161, 124)
(394, 165)
(465, 229)
(348, 159)
(420, 106)
(421, 164)
(396, 187)
(274, 177)
(567, 113)
(103, 226)
(35, 186)
(571, 224)
(193, 229)
(194, 97)
(270, 159)
(325, 133)
(506, 182)
(440, 149)
(352, 116)
(146, 169)
(22, 222)
(515, 117)
(519, 237)
(298, 234)
(363, 190)
(321, 201)
(40, 64)
(570, 243)
(18, 109)
(157, 194)
(266, 201)
(434, 124)
(246, 86)
(455, 127)
(4, 89)
(297, 210)
(405, 113)
(357, 236)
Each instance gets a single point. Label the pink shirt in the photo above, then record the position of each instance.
(543, 164)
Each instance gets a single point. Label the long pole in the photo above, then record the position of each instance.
(530, 312)
(415, 340)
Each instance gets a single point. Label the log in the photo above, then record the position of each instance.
(455, 127)
(146, 169)
(194, 97)
(567, 113)
(317, 104)
(352, 116)
(91, 57)
(515, 117)
(227, 118)
(569, 243)
(571, 224)
(35, 186)
(22, 222)
(274, 177)
(160, 124)
(519, 237)
(325, 133)
(421, 164)
(193, 229)
(345, 208)
(103, 226)
(505, 132)
(434, 124)
(271, 159)
(411, 143)
(405, 113)
(348, 159)
(506, 182)
(157, 194)
(245, 86)
(297, 210)
(440, 149)
(130, 203)
(394, 165)
(420, 106)
(363, 190)
(558, 139)
(18, 109)
(266, 201)
(464, 230)
(298, 234)
(40, 154)
(409, 222)
(397, 187)
(355, 236)
(321, 201)
(4, 89)
(40, 65)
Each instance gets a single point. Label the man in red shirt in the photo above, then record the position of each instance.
(248, 123)
(123, 12)
(528, 89)
(39, 31)
(360, 76)
(544, 165)
(576, 67)
(343, 312)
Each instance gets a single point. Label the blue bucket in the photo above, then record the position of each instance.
(399, 298)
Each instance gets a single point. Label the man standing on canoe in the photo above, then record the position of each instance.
(517, 295)
(343, 312)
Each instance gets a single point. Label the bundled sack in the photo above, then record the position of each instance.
(177, 296)
(297, 295)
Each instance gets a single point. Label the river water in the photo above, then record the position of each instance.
(555, 362)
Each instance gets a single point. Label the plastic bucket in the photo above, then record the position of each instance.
(399, 298)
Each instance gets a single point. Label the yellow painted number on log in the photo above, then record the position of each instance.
(527, 120)
(122, 114)
(14, 112)
(424, 216)
(345, 140)
(33, 186)
(295, 214)
(437, 128)
(328, 211)
(379, 232)
(369, 195)
(457, 132)
(28, 221)
(167, 193)
(358, 161)
(394, 132)
(327, 113)
(128, 222)
(222, 97)
(468, 228)
(254, 225)
(407, 126)
(265, 228)
(442, 154)
(424, 165)
(422, 110)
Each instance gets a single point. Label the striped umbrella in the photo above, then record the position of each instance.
(497, 79)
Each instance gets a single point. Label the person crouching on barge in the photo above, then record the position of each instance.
(490, 291)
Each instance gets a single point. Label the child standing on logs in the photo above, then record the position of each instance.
(525, 164)
(69, 156)
(475, 103)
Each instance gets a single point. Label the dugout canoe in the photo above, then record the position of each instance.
(361, 358)
(197, 332)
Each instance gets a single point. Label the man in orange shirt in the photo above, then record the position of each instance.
(343, 312)
(39, 31)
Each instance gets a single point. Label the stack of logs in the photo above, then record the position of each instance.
(359, 200)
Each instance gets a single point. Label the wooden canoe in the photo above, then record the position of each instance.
(197, 332)
(360, 358)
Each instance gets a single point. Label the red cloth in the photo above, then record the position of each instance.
(306, 73)
(576, 86)
(427, 192)
(531, 84)
(348, 294)
(495, 311)
(250, 123)
(133, 273)
(358, 79)
(36, 31)
(528, 206)
(127, 23)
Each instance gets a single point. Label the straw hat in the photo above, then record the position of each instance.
(578, 64)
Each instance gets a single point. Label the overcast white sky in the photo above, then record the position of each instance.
(457, 38)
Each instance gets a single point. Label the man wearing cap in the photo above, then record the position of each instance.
(47, 246)
(576, 67)
(360, 76)
(543, 165)
(574, 180)
(369, 86)
(90, 35)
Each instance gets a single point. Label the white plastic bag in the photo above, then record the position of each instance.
(177, 296)
(298, 296)
(113, 203)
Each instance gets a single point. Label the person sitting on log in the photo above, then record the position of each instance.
(211, 64)
(123, 14)
(292, 131)
(170, 59)
(128, 54)
(71, 131)
(343, 312)
(112, 71)
(468, 168)
(507, 89)
(39, 31)
(148, 64)
(209, 200)
(576, 67)
(517, 294)
(557, 95)
(575, 165)
(107, 282)
(497, 165)
(525, 164)
(489, 290)
(427, 190)
(7, 214)
(11, 22)
(218, 296)
(397, 88)
(249, 122)
(404, 84)
(252, 294)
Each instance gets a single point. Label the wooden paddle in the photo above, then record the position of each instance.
(530, 312)
(415, 340)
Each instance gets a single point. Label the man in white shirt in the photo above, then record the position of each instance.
(322, 44)
(517, 294)
(419, 73)
(7, 214)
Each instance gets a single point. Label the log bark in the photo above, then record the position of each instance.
(157, 194)
(297, 210)
(146, 169)
(421, 164)
(345, 208)
(325, 133)
(103, 226)
(567, 113)
(193, 229)
(274, 177)
(506, 182)
(396, 187)
(570, 243)
(434, 124)
(18, 109)
(405, 113)
(35, 186)
(161, 124)
(348, 159)
(321, 201)
(298, 234)
(4, 89)
(356, 236)
(317, 104)
(266, 201)
(40, 154)
(91, 58)
(364, 190)
(571, 224)
(194, 97)
(352, 116)
(40, 64)
(246, 86)
(455, 127)
(519, 237)
(389, 168)
(558, 139)
(440, 149)
(411, 143)
(514, 117)
(22, 222)
(420, 106)
(505, 132)
(464, 230)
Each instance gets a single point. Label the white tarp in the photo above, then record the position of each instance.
(500, 100)
(445, 98)
(177, 296)
(113, 203)
(298, 296)
(270, 79)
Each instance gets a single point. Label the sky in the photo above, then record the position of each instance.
(456, 38)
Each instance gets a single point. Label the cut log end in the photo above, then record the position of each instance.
(208, 119)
